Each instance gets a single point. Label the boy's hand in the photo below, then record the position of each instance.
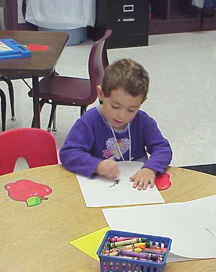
(143, 178)
(108, 168)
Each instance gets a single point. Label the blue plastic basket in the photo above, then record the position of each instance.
(118, 264)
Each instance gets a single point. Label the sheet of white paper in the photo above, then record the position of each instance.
(4, 47)
(100, 192)
(190, 225)
(172, 258)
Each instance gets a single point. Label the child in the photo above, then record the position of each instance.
(117, 130)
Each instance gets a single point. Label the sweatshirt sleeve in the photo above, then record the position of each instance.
(158, 148)
(75, 153)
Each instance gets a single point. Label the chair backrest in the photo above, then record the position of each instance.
(35, 145)
(98, 61)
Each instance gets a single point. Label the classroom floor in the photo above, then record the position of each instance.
(182, 95)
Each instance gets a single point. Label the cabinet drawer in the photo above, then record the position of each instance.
(127, 16)
(132, 40)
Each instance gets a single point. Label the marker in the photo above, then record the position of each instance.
(127, 242)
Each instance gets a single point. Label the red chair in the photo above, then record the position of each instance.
(61, 90)
(36, 146)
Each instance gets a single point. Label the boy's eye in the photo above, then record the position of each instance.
(130, 110)
(115, 107)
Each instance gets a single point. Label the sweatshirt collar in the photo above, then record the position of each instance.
(107, 124)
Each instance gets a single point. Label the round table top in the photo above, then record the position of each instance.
(37, 238)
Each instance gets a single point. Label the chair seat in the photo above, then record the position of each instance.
(68, 90)
(56, 90)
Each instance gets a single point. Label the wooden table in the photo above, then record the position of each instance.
(36, 239)
(41, 63)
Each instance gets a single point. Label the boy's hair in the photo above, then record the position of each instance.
(128, 75)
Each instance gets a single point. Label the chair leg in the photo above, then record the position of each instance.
(52, 116)
(11, 94)
(42, 102)
(54, 122)
(82, 109)
(3, 109)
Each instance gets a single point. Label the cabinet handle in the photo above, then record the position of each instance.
(128, 8)
(128, 20)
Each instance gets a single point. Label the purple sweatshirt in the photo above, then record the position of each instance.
(91, 140)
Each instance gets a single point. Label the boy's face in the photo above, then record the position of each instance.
(120, 107)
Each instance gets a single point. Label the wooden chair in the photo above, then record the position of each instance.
(61, 90)
(36, 146)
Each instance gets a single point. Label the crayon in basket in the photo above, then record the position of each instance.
(138, 247)
(157, 257)
(131, 252)
(127, 242)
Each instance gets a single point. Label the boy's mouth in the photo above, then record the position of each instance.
(118, 122)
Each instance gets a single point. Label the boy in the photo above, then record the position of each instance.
(117, 130)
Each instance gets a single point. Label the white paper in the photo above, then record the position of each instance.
(100, 192)
(172, 258)
(191, 225)
(198, 3)
(4, 47)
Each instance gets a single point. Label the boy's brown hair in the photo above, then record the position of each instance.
(128, 75)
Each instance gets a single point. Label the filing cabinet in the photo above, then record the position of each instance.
(128, 20)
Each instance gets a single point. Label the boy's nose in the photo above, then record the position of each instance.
(121, 115)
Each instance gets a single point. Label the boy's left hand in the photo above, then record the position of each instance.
(143, 178)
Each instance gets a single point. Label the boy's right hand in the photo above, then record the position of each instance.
(108, 168)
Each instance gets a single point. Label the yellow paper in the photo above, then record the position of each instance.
(90, 242)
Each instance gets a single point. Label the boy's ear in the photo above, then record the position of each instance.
(100, 93)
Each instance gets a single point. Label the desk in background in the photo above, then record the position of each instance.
(36, 239)
(40, 64)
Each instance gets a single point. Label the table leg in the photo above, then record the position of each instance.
(36, 105)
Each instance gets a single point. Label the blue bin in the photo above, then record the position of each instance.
(118, 264)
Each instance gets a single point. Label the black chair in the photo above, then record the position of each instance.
(3, 101)
(3, 109)
(11, 94)
(61, 90)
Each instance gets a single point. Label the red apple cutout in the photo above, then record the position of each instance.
(162, 181)
(29, 191)
(37, 47)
